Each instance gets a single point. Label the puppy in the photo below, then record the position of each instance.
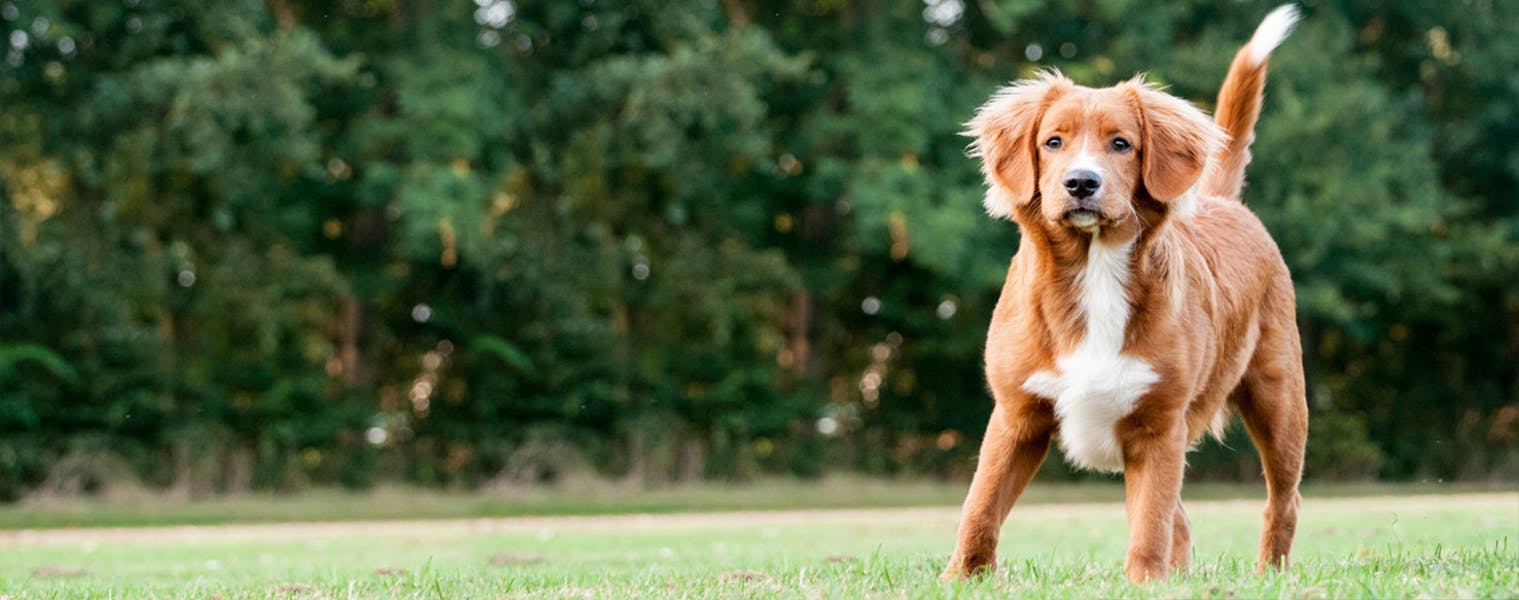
(1144, 303)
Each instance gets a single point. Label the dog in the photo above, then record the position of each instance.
(1144, 304)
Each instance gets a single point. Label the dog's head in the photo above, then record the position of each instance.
(1077, 159)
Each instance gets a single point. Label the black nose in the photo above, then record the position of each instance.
(1082, 183)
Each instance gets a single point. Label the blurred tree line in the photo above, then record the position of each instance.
(265, 245)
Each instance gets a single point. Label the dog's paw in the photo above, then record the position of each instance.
(1141, 573)
(960, 571)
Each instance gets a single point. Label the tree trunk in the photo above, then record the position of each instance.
(348, 345)
(800, 322)
(693, 459)
(239, 474)
(183, 472)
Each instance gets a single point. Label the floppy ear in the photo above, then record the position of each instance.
(1004, 129)
(1178, 141)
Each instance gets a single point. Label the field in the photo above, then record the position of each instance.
(1438, 546)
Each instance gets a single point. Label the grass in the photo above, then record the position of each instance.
(1442, 546)
(592, 498)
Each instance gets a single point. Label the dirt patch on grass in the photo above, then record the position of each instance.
(745, 576)
(51, 571)
(515, 558)
(294, 589)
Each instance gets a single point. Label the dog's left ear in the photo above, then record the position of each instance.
(1178, 141)
(1004, 131)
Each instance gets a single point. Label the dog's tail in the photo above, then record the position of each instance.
(1239, 101)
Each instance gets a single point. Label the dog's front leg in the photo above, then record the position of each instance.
(1154, 457)
(1015, 445)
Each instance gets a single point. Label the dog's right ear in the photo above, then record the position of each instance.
(1004, 130)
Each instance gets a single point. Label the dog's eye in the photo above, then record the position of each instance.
(1053, 143)
(1120, 144)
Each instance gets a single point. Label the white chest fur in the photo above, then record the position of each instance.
(1094, 386)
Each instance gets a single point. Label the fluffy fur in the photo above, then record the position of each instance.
(1096, 385)
(1138, 313)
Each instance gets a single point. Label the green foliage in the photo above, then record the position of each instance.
(15, 357)
(259, 245)
(490, 345)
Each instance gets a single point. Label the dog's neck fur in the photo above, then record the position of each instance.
(1092, 383)
(1091, 280)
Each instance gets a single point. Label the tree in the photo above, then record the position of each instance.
(455, 243)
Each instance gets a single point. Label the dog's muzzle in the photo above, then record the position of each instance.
(1083, 218)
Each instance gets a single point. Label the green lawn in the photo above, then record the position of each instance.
(1446, 546)
(600, 498)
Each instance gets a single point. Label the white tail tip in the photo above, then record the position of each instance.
(1272, 31)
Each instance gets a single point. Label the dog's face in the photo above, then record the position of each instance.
(1079, 160)
(1087, 162)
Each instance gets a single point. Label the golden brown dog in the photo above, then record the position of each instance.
(1143, 303)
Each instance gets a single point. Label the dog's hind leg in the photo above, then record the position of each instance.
(1274, 408)
(1181, 540)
